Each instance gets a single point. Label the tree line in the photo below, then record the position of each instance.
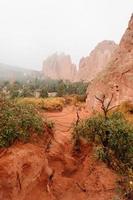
(43, 87)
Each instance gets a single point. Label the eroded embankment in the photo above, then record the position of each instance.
(28, 171)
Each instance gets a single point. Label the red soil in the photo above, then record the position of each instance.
(25, 171)
(76, 177)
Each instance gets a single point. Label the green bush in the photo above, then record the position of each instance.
(43, 93)
(18, 122)
(115, 134)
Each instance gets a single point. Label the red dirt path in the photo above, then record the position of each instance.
(76, 177)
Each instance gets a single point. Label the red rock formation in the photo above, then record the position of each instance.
(59, 67)
(90, 66)
(117, 78)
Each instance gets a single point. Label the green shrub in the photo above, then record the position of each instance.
(113, 139)
(115, 134)
(43, 93)
(18, 122)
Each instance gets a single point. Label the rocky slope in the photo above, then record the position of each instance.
(59, 67)
(91, 65)
(117, 78)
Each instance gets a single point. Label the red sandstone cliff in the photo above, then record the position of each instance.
(117, 78)
(91, 65)
(59, 67)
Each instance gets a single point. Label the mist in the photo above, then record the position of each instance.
(31, 30)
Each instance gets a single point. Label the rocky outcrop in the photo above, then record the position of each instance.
(59, 67)
(117, 78)
(90, 66)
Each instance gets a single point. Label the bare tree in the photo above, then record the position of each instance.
(77, 140)
(78, 117)
(106, 106)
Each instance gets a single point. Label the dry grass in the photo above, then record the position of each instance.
(48, 104)
(127, 109)
(76, 100)
(52, 103)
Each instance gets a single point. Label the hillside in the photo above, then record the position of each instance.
(11, 73)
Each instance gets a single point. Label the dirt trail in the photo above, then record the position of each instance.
(29, 172)
(63, 122)
(76, 177)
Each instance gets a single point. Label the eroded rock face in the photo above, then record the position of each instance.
(23, 170)
(90, 66)
(59, 67)
(117, 78)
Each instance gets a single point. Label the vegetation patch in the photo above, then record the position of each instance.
(127, 109)
(48, 104)
(112, 135)
(18, 122)
(42, 88)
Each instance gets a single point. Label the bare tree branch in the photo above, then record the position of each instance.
(104, 107)
(101, 100)
(113, 107)
(109, 103)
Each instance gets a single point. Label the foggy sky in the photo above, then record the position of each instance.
(31, 30)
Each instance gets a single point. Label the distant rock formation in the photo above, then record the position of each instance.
(91, 65)
(59, 67)
(117, 78)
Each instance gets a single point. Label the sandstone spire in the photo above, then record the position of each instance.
(59, 67)
(91, 65)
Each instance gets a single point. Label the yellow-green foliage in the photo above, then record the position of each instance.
(48, 104)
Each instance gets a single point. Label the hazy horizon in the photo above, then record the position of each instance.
(32, 30)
